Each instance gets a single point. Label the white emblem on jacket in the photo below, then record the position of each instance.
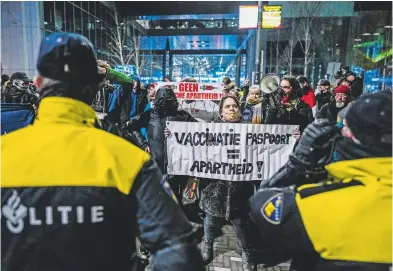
(15, 212)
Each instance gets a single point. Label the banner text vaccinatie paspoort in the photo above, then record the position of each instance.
(227, 151)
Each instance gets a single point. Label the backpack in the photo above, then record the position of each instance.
(16, 116)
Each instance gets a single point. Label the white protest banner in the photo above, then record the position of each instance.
(228, 151)
(194, 91)
(204, 111)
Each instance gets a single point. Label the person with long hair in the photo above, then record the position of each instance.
(294, 110)
(225, 199)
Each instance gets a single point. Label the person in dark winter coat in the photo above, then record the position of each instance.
(165, 109)
(356, 87)
(294, 111)
(354, 83)
(324, 96)
(227, 200)
(308, 94)
(137, 101)
(18, 90)
(341, 100)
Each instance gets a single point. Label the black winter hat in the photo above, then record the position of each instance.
(4, 78)
(20, 76)
(68, 57)
(370, 119)
(302, 79)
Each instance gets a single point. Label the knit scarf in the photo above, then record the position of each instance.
(257, 115)
(290, 104)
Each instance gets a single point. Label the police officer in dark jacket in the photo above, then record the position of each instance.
(341, 222)
(82, 195)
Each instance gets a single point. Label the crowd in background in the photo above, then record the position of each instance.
(138, 113)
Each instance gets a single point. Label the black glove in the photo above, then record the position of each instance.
(307, 163)
(315, 142)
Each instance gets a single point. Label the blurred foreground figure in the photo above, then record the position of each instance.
(342, 219)
(81, 195)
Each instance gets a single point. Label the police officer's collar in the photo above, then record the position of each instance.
(65, 110)
(366, 170)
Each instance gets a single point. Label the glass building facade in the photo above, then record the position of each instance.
(91, 19)
(97, 22)
(208, 67)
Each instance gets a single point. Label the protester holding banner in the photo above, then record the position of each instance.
(227, 200)
(203, 110)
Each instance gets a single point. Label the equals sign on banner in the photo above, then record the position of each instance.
(233, 154)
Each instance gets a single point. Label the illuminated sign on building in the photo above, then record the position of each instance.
(248, 17)
(271, 17)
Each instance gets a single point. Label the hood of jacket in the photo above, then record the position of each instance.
(166, 103)
(163, 93)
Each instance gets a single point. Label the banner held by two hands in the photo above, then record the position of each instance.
(228, 151)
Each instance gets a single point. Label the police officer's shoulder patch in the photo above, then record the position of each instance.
(272, 209)
(168, 189)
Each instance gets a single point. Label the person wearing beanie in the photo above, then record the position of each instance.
(343, 219)
(341, 99)
(324, 95)
(82, 196)
(18, 90)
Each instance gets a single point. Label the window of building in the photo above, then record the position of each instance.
(205, 68)
(59, 16)
(49, 15)
(70, 18)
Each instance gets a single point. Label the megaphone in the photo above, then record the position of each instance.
(270, 83)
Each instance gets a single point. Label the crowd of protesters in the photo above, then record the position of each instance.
(138, 113)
